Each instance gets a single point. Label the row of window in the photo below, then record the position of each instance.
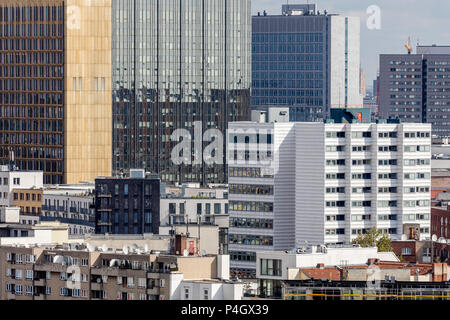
(251, 189)
(31, 112)
(47, 44)
(363, 217)
(380, 203)
(251, 206)
(242, 256)
(30, 13)
(251, 223)
(22, 98)
(250, 240)
(422, 189)
(251, 172)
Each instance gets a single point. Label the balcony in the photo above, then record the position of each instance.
(52, 267)
(153, 291)
(40, 296)
(97, 286)
(40, 282)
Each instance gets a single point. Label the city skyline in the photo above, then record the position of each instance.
(425, 22)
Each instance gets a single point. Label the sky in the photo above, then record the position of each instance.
(425, 21)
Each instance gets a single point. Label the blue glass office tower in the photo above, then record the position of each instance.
(176, 62)
(306, 60)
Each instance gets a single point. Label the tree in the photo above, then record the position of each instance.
(372, 238)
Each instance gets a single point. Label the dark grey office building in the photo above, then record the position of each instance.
(307, 60)
(416, 87)
(127, 205)
(175, 63)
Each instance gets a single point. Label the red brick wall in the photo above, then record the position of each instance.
(440, 222)
(397, 248)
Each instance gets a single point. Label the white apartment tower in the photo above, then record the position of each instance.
(323, 183)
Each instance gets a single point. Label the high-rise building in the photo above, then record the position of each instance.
(415, 87)
(307, 59)
(324, 183)
(127, 205)
(55, 88)
(177, 64)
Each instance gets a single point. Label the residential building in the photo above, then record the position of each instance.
(307, 60)
(127, 205)
(191, 70)
(414, 87)
(72, 205)
(11, 179)
(28, 200)
(440, 221)
(55, 92)
(419, 251)
(273, 267)
(12, 223)
(324, 183)
(74, 273)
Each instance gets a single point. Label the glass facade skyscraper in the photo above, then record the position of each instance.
(306, 60)
(175, 63)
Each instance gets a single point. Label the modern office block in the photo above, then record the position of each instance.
(177, 63)
(127, 205)
(415, 87)
(307, 60)
(324, 183)
(55, 88)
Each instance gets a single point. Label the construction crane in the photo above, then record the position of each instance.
(408, 45)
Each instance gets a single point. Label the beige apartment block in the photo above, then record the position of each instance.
(88, 95)
(51, 273)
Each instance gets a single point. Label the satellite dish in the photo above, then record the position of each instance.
(90, 248)
(105, 248)
(99, 280)
(404, 237)
(58, 259)
(434, 237)
(125, 249)
(203, 253)
(134, 246)
(114, 262)
(185, 253)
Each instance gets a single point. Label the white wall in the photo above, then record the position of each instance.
(309, 184)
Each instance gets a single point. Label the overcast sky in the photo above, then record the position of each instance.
(426, 21)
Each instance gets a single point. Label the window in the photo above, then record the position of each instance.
(19, 274)
(18, 289)
(48, 290)
(29, 275)
(217, 208)
(205, 294)
(199, 208)
(186, 293)
(172, 208)
(142, 283)
(271, 267)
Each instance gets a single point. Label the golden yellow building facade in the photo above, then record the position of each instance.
(88, 95)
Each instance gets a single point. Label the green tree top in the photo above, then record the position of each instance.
(372, 238)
